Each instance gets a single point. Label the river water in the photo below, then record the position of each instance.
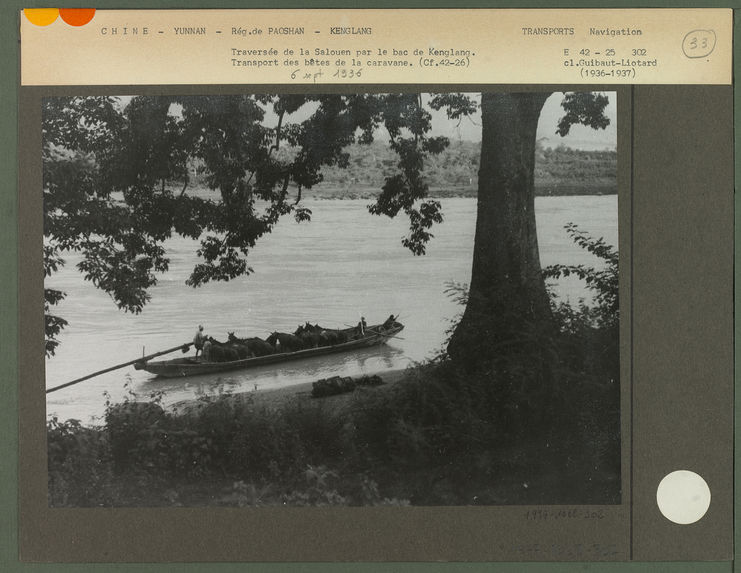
(344, 264)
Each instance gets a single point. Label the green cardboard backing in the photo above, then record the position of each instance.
(11, 236)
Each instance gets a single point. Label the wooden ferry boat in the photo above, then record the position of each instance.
(374, 335)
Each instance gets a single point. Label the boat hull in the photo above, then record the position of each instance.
(181, 367)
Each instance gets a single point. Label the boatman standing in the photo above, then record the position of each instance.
(199, 339)
(362, 326)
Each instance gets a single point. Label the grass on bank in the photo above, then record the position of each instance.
(438, 437)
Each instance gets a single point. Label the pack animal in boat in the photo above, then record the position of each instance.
(285, 342)
(256, 346)
(220, 357)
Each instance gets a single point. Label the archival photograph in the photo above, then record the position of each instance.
(368, 299)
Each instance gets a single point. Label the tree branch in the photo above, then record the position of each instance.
(276, 145)
(286, 180)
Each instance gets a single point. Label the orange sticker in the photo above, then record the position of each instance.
(41, 16)
(77, 16)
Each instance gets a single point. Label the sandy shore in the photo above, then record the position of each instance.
(274, 398)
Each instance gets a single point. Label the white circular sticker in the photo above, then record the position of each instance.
(683, 497)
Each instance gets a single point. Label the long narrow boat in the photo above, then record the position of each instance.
(179, 367)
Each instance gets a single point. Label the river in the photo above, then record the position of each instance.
(344, 264)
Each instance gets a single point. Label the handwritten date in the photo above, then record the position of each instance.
(556, 514)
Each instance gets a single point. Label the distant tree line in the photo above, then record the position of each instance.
(559, 170)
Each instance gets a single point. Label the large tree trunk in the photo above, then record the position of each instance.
(508, 312)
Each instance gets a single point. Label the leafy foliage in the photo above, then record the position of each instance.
(603, 283)
(585, 108)
(80, 468)
(402, 190)
(53, 324)
(116, 176)
(590, 333)
(439, 437)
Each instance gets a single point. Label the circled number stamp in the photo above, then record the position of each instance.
(699, 43)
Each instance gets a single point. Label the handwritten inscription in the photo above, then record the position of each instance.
(699, 43)
(564, 551)
(564, 514)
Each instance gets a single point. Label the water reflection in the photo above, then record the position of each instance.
(364, 361)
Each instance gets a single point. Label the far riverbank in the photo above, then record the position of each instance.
(328, 192)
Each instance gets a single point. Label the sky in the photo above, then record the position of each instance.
(580, 137)
(469, 128)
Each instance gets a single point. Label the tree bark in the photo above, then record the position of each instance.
(508, 308)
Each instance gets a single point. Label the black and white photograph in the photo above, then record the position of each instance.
(332, 299)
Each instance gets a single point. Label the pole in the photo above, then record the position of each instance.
(184, 347)
(379, 333)
(384, 334)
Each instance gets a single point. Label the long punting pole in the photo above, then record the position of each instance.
(184, 347)
(378, 333)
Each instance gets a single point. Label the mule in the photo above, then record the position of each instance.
(285, 342)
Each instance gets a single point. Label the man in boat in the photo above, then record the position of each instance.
(361, 327)
(390, 321)
(199, 339)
